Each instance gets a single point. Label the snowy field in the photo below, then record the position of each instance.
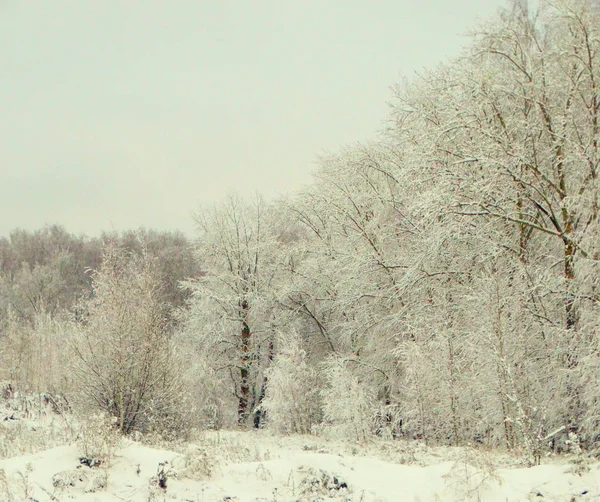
(253, 467)
(258, 466)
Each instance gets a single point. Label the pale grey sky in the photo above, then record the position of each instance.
(117, 114)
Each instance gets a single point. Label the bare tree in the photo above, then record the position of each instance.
(126, 364)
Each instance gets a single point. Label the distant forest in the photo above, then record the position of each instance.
(50, 270)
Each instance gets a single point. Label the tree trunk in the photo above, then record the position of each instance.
(569, 253)
(244, 397)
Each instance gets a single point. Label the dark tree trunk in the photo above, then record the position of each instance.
(244, 398)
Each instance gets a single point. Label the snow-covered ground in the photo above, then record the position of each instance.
(259, 466)
(286, 469)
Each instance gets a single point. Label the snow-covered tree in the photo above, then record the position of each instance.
(292, 402)
(231, 307)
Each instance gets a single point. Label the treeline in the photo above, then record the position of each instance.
(50, 269)
(439, 282)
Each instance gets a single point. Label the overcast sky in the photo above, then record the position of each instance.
(118, 114)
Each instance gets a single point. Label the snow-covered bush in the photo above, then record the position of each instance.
(292, 401)
(471, 475)
(32, 422)
(348, 404)
(198, 463)
(98, 439)
(33, 356)
(126, 362)
(208, 391)
(319, 482)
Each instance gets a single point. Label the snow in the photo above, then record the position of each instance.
(257, 466)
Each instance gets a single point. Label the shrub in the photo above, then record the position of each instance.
(126, 363)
